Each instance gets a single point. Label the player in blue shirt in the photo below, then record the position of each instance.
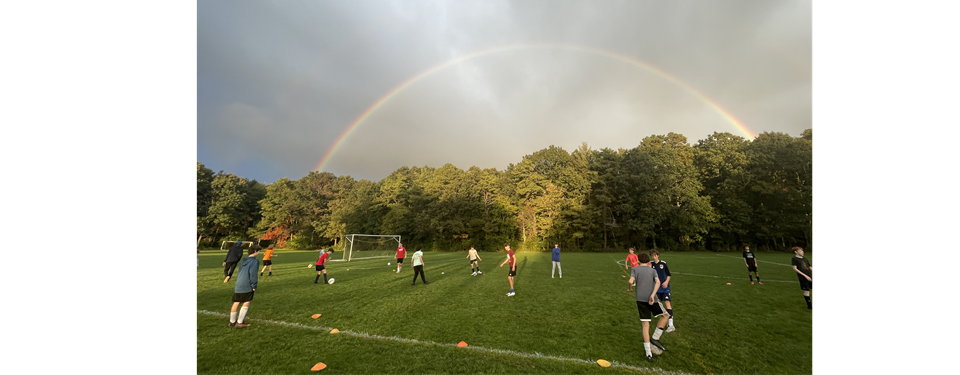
(663, 294)
(556, 261)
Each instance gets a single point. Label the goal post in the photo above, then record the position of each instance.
(226, 245)
(365, 246)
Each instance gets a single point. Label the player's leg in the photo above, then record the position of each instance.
(263, 269)
(666, 303)
(758, 277)
(644, 313)
(271, 269)
(559, 270)
(806, 296)
(233, 312)
(806, 286)
(317, 279)
(243, 314)
(324, 275)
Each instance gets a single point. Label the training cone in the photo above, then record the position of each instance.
(319, 366)
(729, 284)
(335, 331)
(462, 344)
(315, 316)
(603, 363)
(623, 276)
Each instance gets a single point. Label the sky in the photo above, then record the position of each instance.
(362, 88)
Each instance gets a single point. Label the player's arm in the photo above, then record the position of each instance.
(666, 270)
(802, 274)
(505, 261)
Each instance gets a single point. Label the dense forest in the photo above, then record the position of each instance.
(719, 194)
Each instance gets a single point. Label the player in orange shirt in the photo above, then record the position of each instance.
(632, 261)
(266, 260)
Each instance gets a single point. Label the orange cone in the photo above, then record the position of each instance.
(315, 316)
(319, 366)
(462, 344)
(335, 331)
(728, 283)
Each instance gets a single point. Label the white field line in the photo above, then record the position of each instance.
(758, 260)
(471, 347)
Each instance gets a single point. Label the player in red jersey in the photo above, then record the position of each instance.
(321, 268)
(512, 258)
(632, 261)
(401, 253)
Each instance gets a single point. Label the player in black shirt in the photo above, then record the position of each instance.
(804, 272)
(751, 261)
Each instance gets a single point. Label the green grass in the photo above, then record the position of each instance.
(587, 315)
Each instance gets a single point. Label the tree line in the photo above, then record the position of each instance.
(718, 194)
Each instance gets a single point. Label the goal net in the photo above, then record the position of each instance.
(363, 246)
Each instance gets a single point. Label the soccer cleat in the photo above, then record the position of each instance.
(241, 325)
(414, 284)
(234, 324)
(759, 283)
(261, 273)
(670, 329)
(473, 274)
(511, 294)
(426, 282)
(658, 344)
(649, 357)
(751, 283)
(561, 276)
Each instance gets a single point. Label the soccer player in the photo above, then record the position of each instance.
(321, 265)
(648, 305)
(512, 258)
(418, 266)
(804, 272)
(401, 253)
(230, 262)
(556, 260)
(246, 285)
(631, 262)
(474, 257)
(266, 260)
(751, 261)
(663, 292)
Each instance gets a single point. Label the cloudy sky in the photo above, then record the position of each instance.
(485, 82)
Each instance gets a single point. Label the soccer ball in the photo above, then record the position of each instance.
(309, 265)
(388, 263)
(655, 350)
(331, 281)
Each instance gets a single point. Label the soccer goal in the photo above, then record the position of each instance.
(363, 246)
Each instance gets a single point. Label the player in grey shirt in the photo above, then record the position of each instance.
(647, 304)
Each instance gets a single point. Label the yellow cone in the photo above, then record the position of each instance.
(603, 363)
(335, 331)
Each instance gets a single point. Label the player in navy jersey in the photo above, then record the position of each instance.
(663, 294)
(750, 259)
(804, 271)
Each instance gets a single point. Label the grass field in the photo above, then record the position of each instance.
(550, 326)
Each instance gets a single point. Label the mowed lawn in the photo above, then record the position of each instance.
(550, 326)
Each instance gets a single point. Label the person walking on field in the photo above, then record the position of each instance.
(648, 305)
(246, 286)
(750, 260)
(632, 261)
(804, 271)
(267, 261)
(663, 291)
(474, 257)
(512, 259)
(418, 267)
(401, 253)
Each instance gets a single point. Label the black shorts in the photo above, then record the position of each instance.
(648, 311)
(513, 271)
(243, 297)
(804, 284)
(751, 268)
(663, 296)
(399, 260)
(320, 268)
(267, 262)
(473, 261)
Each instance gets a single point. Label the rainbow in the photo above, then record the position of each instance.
(616, 56)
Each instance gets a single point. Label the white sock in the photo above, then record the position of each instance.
(233, 317)
(646, 346)
(671, 322)
(657, 333)
(243, 313)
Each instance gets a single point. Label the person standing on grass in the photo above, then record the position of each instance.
(512, 258)
(246, 285)
(648, 305)
(418, 267)
(401, 253)
(751, 261)
(321, 265)
(804, 271)
(663, 291)
(474, 257)
(267, 262)
(631, 262)
(230, 262)
(556, 260)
